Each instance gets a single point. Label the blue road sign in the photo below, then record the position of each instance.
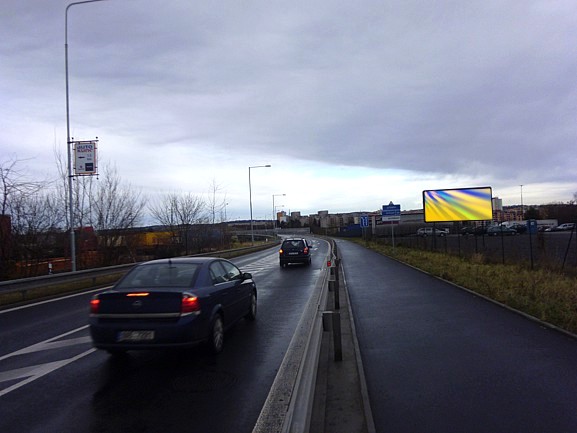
(391, 212)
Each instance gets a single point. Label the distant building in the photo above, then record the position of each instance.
(497, 204)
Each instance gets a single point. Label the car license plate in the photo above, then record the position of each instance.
(294, 254)
(135, 336)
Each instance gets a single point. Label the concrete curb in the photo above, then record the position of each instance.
(362, 379)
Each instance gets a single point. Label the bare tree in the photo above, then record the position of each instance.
(178, 213)
(15, 183)
(36, 223)
(115, 208)
(15, 187)
(215, 204)
(84, 189)
(83, 194)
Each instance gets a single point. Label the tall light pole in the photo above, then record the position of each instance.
(274, 210)
(68, 141)
(250, 199)
(522, 207)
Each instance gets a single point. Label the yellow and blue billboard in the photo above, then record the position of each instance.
(459, 204)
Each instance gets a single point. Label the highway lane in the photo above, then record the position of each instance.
(52, 380)
(439, 359)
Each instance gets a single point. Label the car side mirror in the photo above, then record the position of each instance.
(247, 276)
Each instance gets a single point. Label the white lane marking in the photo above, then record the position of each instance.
(54, 345)
(36, 372)
(45, 344)
(260, 265)
(22, 307)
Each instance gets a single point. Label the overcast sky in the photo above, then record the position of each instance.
(353, 104)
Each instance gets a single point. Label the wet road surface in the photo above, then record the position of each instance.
(439, 359)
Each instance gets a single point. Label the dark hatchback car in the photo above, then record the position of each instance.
(519, 228)
(501, 230)
(296, 250)
(474, 230)
(172, 303)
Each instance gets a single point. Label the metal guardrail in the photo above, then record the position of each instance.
(289, 405)
(27, 289)
(37, 288)
(67, 277)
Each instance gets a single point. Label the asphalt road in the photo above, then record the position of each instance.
(52, 380)
(439, 359)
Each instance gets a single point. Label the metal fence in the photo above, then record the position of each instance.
(551, 250)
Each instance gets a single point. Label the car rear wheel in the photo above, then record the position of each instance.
(251, 315)
(216, 339)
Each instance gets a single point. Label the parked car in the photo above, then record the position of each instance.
(295, 250)
(480, 230)
(428, 231)
(500, 230)
(468, 230)
(519, 228)
(172, 303)
(564, 227)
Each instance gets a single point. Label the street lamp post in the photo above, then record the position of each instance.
(68, 141)
(280, 206)
(250, 199)
(522, 207)
(274, 219)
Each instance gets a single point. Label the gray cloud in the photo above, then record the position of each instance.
(478, 89)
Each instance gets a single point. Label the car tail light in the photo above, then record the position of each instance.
(189, 304)
(281, 251)
(137, 294)
(306, 250)
(94, 305)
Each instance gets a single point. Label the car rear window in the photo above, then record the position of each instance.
(294, 243)
(160, 275)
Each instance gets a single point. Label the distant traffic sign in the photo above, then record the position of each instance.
(391, 212)
(364, 221)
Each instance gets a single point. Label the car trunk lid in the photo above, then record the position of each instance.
(140, 303)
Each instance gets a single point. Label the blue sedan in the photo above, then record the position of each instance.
(172, 303)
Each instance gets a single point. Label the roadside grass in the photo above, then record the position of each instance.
(543, 294)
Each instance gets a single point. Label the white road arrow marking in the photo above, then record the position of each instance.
(36, 372)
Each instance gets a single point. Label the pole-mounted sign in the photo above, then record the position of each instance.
(391, 212)
(85, 163)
